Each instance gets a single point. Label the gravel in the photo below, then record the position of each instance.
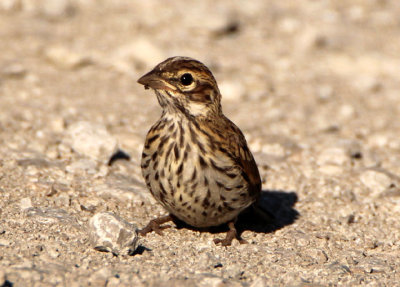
(313, 85)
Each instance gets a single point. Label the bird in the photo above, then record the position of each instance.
(195, 161)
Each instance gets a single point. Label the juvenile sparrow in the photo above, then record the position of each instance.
(195, 161)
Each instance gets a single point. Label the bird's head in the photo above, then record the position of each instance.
(184, 85)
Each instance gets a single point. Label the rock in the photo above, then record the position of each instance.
(289, 25)
(62, 199)
(376, 181)
(199, 280)
(346, 112)
(3, 278)
(216, 23)
(374, 265)
(51, 216)
(333, 156)
(260, 282)
(231, 90)
(274, 149)
(379, 140)
(214, 281)
(4, 242)
(276, 146)
(53, 251)
(32, 171)
(110, 233)
(357, 13)
(38, 162)
(100, 277)
(49, 8)
(66, 59)
(123, 194)
(255, 145)
(15, 71)
(318, 255)
(57, 124)
(9, 5)
(367, 84)
(58, 187)
(330, 169)
(25, 203)
(90, 203)
(114, 282)
(229, 27)
(128, 189)
(141, 52)
(91, 140)
(56, 8)
(324, 92)
(88, 166)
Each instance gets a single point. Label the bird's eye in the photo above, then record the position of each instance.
(186, 79)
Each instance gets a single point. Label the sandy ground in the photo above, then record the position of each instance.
(314, 85)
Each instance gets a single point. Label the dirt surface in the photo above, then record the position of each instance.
(314, 86)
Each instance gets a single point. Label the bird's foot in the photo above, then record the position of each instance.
(230, 235)
(155, 225)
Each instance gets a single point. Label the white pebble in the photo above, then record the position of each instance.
(25, 203)
(111, 233)
(91, 140)
(63, 58)
(334, 155)
(376, 181)
(231, 90)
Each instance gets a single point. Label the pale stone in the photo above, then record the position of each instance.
(51, 216)
(376, 181)
(111, 233)
(334, 155)
(64, 58)
(259, 282)
(3, 278)
(91, 140)
(231, 90)
(25, 203)
(141, 51)
(330, 169)
(88, 166)
(14, 70)
(56, 8)
(57, 124)
(274, 149)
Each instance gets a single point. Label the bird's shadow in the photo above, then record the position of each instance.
(277, 211)
(279, 207)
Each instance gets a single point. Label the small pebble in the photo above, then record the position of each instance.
(141, 53)
(14, 71)
(231, 90)
(91, 140)
(333, 156)
(25, 203)
(110, 233)
(51, 216)
(260, 282)
(82, 166)
(376, 181)
(66, 59)
(9, 5)
(56, 8)
(3, 278)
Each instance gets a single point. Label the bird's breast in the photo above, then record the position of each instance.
(189, 178)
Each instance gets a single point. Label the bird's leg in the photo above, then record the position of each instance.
(154, 225)
(230, 235)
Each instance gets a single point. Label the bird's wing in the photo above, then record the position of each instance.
(234, 145)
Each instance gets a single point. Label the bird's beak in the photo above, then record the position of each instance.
(153, 80)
